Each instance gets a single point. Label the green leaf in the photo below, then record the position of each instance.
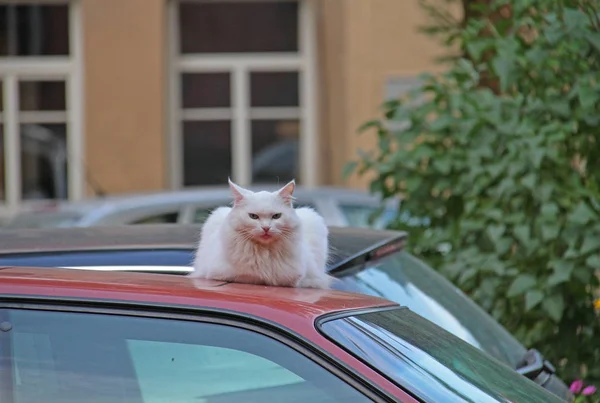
(562, 272)
(375, 123)
(349, 169)
(574, 19)
(503, 69)
(522, 234)
(529, 181)
(443, 165)
(590, 244)
(594, 39)
(494, 232)
(467, 275)
(588, 96)
(521, 284)
(549, 231)
(532, 298)
(593, 261)
(582, 214)
(554, 306)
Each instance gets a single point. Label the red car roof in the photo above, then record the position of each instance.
(275, 303)
(293, 308)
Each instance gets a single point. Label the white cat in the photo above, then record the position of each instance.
(264, 240)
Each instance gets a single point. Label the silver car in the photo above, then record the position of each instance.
(339, 207)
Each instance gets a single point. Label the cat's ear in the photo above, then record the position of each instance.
(238, 192)
(287, 191)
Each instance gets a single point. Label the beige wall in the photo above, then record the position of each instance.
(124, 94)
(364, 44)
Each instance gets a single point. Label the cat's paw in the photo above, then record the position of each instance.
(322, 282)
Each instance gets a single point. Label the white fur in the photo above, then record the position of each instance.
(232, 246)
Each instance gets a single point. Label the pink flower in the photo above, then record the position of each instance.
(576, 386)
(590, 390)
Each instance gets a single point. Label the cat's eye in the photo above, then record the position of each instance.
(276, 216)
(253, 216)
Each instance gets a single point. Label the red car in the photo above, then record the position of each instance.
(73, 336)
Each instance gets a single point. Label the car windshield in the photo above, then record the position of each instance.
(360, 216)
(408, 281)
(429, 361)
(43, 220)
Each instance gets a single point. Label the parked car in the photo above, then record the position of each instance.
(70, 336)
(341, 207)
(366, 261)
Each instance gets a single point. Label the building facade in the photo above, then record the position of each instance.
(123, 96)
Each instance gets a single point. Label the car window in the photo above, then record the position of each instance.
(165, 218)
(62, 357)
(429, 361)
(408, 281)
(201, 214)
(52, 219)
(135, 257)
(360, 216)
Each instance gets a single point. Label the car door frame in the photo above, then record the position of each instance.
(333, 359)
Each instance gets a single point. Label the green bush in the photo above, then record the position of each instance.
(502, 153)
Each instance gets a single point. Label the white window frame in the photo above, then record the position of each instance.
(44, 68)
(239, 66)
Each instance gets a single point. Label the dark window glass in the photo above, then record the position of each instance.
(2, 166)
(362, 216)
(429, 361)
(166, 218)
(34, 29)
(404, 279)
(274, 89)
(275, 150)
(205, 90)
(223, 27)
(4, 29)
(206, 152)
(44, 161)
(201, 214)
(60, 357)
(42, 96)
(157, 257)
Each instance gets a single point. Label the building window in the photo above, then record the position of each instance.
(40, 119)
(242, 92)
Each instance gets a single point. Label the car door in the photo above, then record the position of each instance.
(97, 356)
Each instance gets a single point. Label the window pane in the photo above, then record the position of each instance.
(42, 96)
(167, 218)
(2, 168)
(275, 150)
(120, 359)
(206, 153)
(201, 214)
(274, 89)
(238, 27)
(44, 161)
(4, 29)
(34, 29)
(431, 362)
(205, 90)
(404, 279)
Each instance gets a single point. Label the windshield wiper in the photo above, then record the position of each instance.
(535, 367)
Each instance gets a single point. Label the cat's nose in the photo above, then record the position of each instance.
(266, 229)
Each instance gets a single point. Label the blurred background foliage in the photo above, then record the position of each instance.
(501, 153)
